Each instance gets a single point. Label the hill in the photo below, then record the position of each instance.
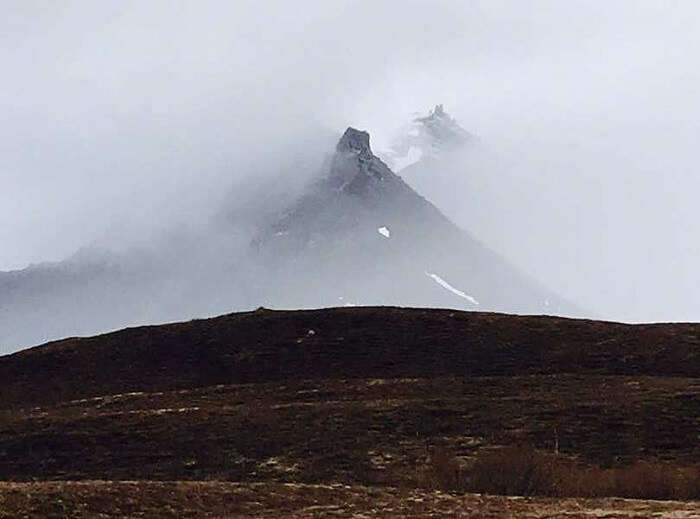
(368, 398)
(365, 342)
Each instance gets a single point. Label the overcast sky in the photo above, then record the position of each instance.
(125, 116)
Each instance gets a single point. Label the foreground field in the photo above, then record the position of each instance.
(352, 448)
(355, 412)
(367, 431)
(109, 499)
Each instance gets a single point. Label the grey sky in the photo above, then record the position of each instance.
(122, 117)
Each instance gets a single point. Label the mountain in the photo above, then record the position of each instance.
(355, 234)
(99, 290)
(427, 137)
(361, 235)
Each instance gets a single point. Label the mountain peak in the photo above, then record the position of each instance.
(442, 125)
(426, 136)
(354, 168)
(354, 140)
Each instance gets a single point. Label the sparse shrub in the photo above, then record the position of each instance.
(651, 480)
(643, 479)
(443, 471)
(521, 471)
(526, 471)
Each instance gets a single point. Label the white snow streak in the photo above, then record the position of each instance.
(452, 289)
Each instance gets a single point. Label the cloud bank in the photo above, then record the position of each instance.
(123, 118)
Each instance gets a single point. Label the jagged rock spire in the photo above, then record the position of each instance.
(426, 136)
(356, 141)
(437, 115)
(354, 167)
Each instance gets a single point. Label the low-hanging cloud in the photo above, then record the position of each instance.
(123, 118)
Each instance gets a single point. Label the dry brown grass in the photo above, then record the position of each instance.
(515, 471)
(524, 471)
(443, 472)
(197, 499)
(643, 479)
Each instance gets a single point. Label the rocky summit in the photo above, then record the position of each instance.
(426, 137)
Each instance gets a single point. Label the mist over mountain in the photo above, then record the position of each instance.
(361, 235)
(433, 153)
(330, 227)
(426, 137)
(126, 121)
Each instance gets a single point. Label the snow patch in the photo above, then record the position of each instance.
(384, 232)
(452, 289)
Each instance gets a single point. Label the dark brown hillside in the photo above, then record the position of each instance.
(372, 342)
(371, 431)
(365, 398)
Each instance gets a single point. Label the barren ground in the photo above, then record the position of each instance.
(254, 415)
(109, 499)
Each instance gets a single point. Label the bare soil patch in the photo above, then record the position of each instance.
(109, 499)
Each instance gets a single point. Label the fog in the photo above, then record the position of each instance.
(125, 120)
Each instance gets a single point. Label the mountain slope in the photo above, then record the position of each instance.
(96, 292)
(361, 235)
